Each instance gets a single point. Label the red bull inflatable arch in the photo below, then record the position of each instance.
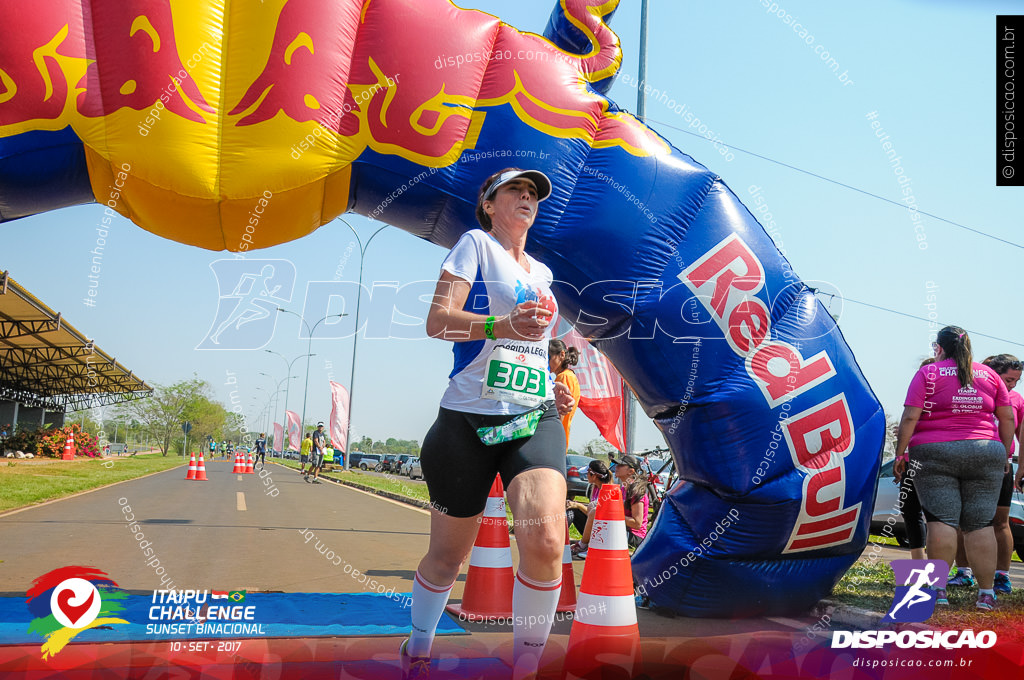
(234, 126)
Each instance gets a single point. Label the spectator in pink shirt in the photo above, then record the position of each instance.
(1008, 367)
(959, 451)
(635, 500)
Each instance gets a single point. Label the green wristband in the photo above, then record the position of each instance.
(489, 328)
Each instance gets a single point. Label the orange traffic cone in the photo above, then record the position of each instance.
(604, 632)
(201, 470)
(239, 468)
(567, 600)
(192, 467)
(489, 582)
(69, 447)
(248, 465)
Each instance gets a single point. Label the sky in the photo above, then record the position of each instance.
(923, 71)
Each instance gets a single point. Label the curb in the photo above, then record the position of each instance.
(855, 617)
(422, 505)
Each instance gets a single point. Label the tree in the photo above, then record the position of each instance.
(892, 426)
(234, 426)
(163, 413)
(207, 417)
(598, 448)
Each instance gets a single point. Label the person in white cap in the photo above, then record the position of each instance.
(499, 415)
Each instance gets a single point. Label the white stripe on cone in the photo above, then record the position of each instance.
(606, 610)
(495, 507)
(567, 555)
(490, 558)
(608, 535)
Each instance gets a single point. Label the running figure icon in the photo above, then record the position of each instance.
(247, 309)
(916, 594)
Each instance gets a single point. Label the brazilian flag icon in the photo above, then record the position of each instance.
(236, 595)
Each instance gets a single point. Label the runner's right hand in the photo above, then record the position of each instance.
(527, 321)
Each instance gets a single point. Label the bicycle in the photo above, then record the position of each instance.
(656, 495)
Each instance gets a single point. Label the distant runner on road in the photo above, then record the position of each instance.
(261, 449)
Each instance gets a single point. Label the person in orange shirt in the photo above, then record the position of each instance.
(560, 358)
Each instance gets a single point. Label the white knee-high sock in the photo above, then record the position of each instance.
(428, 602)
(533, 612)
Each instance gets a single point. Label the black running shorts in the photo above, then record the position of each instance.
(460, 469)
(1006, 490)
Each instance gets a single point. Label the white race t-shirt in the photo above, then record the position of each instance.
(512, 373)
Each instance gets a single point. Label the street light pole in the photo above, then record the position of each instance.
(288, 385)
(259, 416)
(276, 396)
(355, 337)
(309, 348)
(629, 435)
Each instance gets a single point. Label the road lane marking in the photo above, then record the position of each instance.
(240, 501)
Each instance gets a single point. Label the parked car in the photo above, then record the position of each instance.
(1017, 518)
(887, 504)
(415, 471)
(388, 463)
(365, 461)
(400, 464)
(576, 475)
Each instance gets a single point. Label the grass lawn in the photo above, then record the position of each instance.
(889, 540)
(393, 483)
(399, 485)
(27, 482)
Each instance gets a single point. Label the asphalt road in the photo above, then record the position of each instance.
(233, 532)
(230, 532)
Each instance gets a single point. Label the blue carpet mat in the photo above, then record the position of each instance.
(275, 615)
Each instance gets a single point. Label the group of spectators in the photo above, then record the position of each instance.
(954, 452)
(635, 499)
(626, 470)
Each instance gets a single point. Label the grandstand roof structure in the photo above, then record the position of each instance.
(46, 362)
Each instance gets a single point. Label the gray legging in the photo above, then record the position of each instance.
(958, 482)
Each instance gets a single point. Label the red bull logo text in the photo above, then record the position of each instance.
(726, 281)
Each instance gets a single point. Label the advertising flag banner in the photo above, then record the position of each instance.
(278, 444)
(294, 429)
(600, 387)
(339, 416)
